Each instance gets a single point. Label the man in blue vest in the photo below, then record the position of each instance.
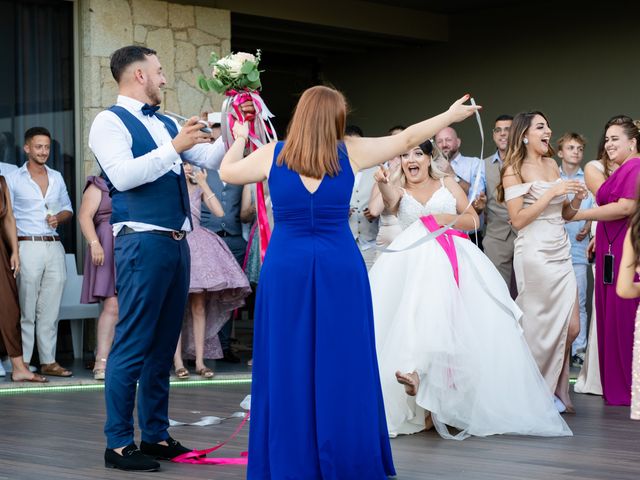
(141, 152)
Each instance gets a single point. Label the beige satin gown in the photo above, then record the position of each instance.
(547, 286)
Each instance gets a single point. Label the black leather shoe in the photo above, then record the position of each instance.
(131, 459)
(229, 356)
(163, 452)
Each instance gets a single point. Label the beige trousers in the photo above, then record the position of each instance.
(40, 285)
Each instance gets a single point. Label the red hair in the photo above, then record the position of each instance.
(311, 147)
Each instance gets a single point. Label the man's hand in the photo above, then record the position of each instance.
(52, 220)
(582, 234)
(247, 108)
(14, 261)
(591, 249)
(480, 202)
(368, 215)
(190, 135)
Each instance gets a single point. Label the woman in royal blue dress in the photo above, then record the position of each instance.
(317, 411)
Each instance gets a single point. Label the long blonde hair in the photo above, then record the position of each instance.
(517, 149)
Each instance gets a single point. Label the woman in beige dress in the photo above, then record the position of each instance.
(537, 203)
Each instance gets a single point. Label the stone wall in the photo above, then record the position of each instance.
(183, 35)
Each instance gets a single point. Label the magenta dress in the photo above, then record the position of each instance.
(99, 282)
(214, 270)
(616, 316)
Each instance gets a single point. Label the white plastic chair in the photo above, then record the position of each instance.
(70, 307)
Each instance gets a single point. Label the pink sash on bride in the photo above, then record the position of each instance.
(446, 242)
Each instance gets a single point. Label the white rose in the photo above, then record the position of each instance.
(232, 65)
(244, 57)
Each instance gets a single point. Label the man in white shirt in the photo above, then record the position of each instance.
(40, 203)
(141, 152)
(465, 170)
(7, 168)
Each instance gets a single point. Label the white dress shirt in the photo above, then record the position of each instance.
(7, 168)
(111, 143)
(31, 208)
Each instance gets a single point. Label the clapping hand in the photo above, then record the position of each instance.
(568, 187)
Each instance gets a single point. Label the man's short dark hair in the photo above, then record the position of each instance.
(33, 131)
(353, 130)
(503, 118)
(125, 56)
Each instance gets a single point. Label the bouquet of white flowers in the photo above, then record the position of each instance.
(237, 71)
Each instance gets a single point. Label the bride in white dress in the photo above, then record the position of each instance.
(450, 348)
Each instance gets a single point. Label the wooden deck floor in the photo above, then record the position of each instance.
(59, 436)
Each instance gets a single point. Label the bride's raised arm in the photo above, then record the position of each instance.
(391, 193)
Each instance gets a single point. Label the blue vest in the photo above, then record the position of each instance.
(230, 197)
(163, 202)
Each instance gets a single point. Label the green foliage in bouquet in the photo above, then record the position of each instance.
(236, 71)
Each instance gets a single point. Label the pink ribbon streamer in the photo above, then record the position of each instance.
(446, 242)
(237, 99)
(198, 457)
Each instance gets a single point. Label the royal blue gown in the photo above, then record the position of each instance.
(316, 408)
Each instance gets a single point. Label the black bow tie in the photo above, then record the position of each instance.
(149, 110)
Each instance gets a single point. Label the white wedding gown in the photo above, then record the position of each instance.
(476, 372)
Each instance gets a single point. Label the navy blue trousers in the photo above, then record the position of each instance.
(152, 280)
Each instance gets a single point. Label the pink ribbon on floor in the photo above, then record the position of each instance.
(446, 242)
(198, 457)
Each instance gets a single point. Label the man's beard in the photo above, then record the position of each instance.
(153, 94)
(37, 160)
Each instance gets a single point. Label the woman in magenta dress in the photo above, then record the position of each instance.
(616, 316)
(98, 283)
(217, 285)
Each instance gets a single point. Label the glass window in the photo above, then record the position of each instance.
(37, 85)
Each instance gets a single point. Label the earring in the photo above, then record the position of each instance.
(525, 140)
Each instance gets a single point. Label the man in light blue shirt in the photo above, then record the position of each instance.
(571, 152)
(465, 169)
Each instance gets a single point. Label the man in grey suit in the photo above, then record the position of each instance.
(499, 235)
(364, 226)
(229, 228)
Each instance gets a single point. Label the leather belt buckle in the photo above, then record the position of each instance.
(178, 235)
